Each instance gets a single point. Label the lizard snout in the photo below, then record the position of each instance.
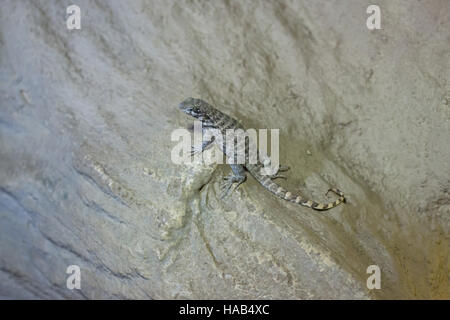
(186, 104)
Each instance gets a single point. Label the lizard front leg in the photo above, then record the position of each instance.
(238, 175)
(205, 145)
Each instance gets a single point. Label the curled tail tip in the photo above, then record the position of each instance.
(326, 206)
(339, 193)
(335, 191)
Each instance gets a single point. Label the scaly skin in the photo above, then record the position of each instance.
(213, 119)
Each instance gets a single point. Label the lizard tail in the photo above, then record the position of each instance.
(280, 192)
(314, 205)
(297, 198)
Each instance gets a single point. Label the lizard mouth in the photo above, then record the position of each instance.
(191, 112)
(188, 108)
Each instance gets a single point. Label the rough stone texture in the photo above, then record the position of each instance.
(85, 172)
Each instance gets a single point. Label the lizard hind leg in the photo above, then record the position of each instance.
(276, 176)
(238, 176)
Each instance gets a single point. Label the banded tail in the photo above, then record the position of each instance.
(280, 192)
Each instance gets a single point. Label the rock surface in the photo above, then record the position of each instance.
(85, 172)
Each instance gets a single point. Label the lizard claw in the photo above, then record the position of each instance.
(275, 176)
(228, 182)
(225, 188)
(194, 151)
(280, 169)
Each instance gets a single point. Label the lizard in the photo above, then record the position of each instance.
(215, 120)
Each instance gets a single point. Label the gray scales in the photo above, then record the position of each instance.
(214, 120)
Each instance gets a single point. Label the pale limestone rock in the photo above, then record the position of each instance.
(85, 171)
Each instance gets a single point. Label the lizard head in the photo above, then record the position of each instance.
(196, 108)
